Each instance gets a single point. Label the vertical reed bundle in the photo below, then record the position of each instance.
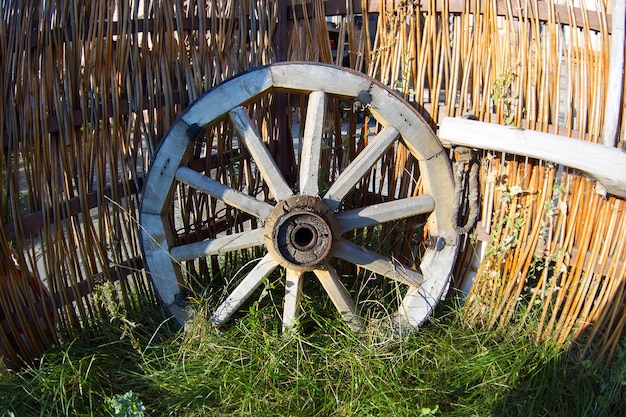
(555, 246)
(88, 88)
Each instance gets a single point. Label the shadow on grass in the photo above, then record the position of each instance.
(565, 385)
(249, 368)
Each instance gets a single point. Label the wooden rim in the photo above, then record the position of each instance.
(401, 124)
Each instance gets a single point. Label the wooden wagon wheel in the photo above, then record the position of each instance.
(302, 229)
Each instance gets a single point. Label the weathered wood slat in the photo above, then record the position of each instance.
(33, 222)
(230, 196)
(363, 162)
(378, 264)
(293, 294)
(542, 12)
(420, 301)
(159, 189)
(312, 143)
(245, 288)
(385, 212)
(164, 274)
(339, 296)
(221, 99)
(219, 245)
(262, 158)
(605, 164)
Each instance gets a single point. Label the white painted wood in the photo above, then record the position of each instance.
(384, 212)
(219, 245)
(416, 133)
(437, 182)
(339, 296)
(615, 88)
(293, 293)
(363, 162)
(387, 107)
(164, 274)
(605, 164)
(307, 77)
(262, 158)
(221, 99)
(312, 143)
(377, 263)
(230, 196)
(245, 288)
(420, 301)
(160, 183)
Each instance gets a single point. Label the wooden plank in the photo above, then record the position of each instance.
(390, 109)
(384, 212)
(615, 88)
(163, 272)
(308, 77)
(312, 143)
(359, 166)
(223, 98)
(605, 164)
(339, 296)
(260, 154)
(542, 11)
(437, 183)
(94, 114)
(377, 263)
(230, 196)
(245, 288)
(218, 245)
(419, 302)
(293, 294)
(32, 222)
(161, 182)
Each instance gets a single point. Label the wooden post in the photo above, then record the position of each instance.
(604, 164)
(281, 122)
(613, 101)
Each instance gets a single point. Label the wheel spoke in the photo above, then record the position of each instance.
(219, 245)
(360, 166)
(220, 191)
(245, 288)
(293, 293)
(384, 212)
(377, 263)
(262, 158)
(339, 296)
(312, 143)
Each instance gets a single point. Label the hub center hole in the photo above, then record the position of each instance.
(304, 236)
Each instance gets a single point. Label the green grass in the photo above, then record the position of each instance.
(445, 369)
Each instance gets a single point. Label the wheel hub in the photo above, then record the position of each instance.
(300, 232)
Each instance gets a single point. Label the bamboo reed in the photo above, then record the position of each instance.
(81, 120)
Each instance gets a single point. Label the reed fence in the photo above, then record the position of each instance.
(89, 88)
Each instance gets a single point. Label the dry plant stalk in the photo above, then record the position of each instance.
(556, 248)
(88, 89)
(83, 118)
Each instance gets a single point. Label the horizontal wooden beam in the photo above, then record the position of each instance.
(83, 288)
(544, 11)
(33, 222)
(605, 164)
